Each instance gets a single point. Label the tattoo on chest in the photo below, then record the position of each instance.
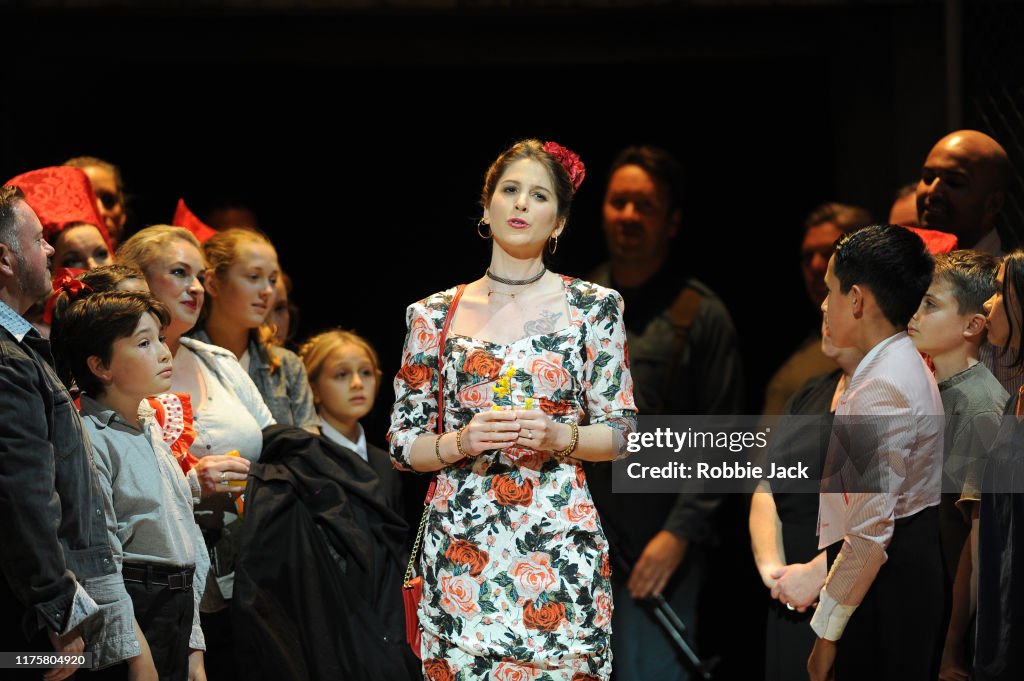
(546, 323)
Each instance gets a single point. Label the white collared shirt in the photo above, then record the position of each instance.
(335, 436)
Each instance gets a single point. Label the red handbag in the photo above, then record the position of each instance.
(412, 587)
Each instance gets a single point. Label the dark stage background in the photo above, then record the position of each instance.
(360, 138)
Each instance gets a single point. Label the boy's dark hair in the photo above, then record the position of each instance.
(890, 261)
(971, 275)
(89, 324)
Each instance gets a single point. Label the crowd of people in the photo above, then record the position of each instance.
(187, 494)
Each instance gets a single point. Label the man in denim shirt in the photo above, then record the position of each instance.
(52, 523)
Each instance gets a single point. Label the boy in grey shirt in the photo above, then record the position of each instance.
(949, 327)
(112, 343)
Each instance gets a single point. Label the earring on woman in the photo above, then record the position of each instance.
(552, 245)
(481, 223)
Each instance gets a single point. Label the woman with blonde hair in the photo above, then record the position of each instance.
(240, 279)
(229, 418)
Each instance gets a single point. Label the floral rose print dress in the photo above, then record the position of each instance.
(515, 563)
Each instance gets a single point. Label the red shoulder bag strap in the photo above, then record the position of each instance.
(440, 375)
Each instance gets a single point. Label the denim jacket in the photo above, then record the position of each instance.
(286, 392)
(56, 538)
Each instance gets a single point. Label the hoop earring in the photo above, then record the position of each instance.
(481, 223)
(552, 245)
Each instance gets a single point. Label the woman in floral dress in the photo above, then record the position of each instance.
(535, 379)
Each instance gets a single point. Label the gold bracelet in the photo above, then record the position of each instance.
(567, 452)
(458, 442)
(437, 450)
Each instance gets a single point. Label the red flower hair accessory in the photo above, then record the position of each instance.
(569, 160)
(65, 282)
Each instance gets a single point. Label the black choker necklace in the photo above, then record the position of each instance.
(516, 282)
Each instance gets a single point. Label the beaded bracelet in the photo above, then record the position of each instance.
(437, 450)
(458, 443)
(567, 452)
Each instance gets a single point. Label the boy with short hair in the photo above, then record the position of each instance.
(879, 610)
(949, 327)
(112, 343)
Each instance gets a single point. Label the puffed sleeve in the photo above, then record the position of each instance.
(607, 379)
(415, 409)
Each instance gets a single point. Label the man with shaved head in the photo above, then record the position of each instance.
(962, 188)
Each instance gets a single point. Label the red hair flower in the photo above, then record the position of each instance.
(570, 160)
(67, 283)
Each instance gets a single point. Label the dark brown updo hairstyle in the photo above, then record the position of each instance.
(532, 149)
(89, 323)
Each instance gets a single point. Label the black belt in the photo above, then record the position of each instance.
(174, 578)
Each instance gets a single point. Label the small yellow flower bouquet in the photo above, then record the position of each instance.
(503, 392)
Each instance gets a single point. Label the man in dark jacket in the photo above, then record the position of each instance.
(53, 533)
(684, 359)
